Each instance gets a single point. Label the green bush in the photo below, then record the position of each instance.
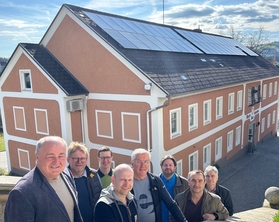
(276, 217)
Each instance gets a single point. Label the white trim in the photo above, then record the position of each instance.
(218, 150)
(46, 121)
(229, 141)
(264, 91)
(23, 112)
(122, 127)
(270, 90)
(97, 123)
(237, 135)
(22, 72)
(268, 121)
(220, 107)
(195, 117)
(231, 103)
(239, 100)
(262, 125)
(207, 149)
(207, 112)
(19, 161)
(179, 168)
(195, 156)
(178, 123)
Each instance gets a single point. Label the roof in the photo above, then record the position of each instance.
(178, 60)
(55, 70)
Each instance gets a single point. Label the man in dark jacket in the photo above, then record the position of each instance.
(211, 177)
(174, 183)
(86, 179)
(117, 203)
(149, 191)
(47, 192)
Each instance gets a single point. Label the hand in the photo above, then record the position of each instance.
(208, 216)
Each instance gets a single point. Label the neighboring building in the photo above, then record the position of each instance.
(103, 79)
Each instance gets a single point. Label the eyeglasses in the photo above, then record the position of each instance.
(105, 157)
(141, 162)
(82, 159)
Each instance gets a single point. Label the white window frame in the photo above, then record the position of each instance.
(206, 155)
(19, 150)
(262, 124)
(22, 78)
(195, 116)
(177, 133)
(207, 112)
(123, 114)
(264, 91)
(239, 100)
(179, 167)
(231, 103)
(218, 148)
(268, 120)
(220, 108)
(273, 117)
(195, 161)
(15, 120)
(270, 90)
(230, 141)
(275, 87)
(237, 135)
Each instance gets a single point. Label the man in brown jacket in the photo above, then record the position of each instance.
(197, 203)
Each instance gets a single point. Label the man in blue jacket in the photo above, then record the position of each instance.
(149, 191)
(116, 203)
(47, 192)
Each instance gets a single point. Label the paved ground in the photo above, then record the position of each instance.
(250, 176)
(3, 160)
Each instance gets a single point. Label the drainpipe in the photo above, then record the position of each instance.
(82, 119)
(148, 123)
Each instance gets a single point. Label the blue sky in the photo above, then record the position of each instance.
(27, 21)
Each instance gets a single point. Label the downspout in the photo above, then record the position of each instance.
(82, 119)
(148, 124)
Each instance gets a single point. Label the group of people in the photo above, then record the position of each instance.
(53, 191)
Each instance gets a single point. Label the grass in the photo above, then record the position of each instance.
(2, 144)
(276, 217)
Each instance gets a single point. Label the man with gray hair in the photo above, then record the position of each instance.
(211, 178)
(47, 192)
(149, 190)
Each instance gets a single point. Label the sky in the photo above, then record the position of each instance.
(26, 21)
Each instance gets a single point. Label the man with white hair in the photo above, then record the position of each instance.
(211, 178)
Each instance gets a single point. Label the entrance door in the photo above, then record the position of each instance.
(251, 132)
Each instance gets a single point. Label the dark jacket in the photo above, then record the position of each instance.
(94, 185)
(110, 208)
(159, 193)
(34, 199)
(211, 203)
(181, 184)
(226, 198)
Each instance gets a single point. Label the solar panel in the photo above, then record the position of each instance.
(211, 44)
(140, 35)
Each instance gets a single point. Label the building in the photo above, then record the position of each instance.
(103, 79)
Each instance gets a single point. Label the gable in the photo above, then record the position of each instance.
(98, 69)
(40, 84)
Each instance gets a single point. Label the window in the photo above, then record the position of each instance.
(263, 124)
(264, 91)
(41, 121)
(231, 103)
(193, 116)
(239, 100)
(206, 112)
(275, 88)
(254, 95)
(25, 80)
(270, 90)
(268, 121)
(273, 117)
(230, 141)
(219, 107)
(175, 122)
(193, 161)
(218, 148)
(237, 135)
(206, 155)
(179, 167)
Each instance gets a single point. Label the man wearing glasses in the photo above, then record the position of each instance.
(149, 190)
(86, 179)
(105, 171)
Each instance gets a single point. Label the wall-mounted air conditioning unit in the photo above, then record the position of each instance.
(74, 105)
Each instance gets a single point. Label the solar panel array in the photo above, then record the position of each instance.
(140, 35)
(211, 44)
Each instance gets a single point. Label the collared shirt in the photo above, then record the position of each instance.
(83, 175)
(169, 184)
(105, 179)
(193, 211)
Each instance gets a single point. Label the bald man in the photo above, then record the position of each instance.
(116, 198)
